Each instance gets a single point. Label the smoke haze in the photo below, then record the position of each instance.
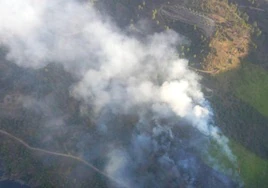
(147, 105)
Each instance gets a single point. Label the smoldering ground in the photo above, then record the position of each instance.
(150, 123)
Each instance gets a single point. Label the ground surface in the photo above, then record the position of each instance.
(234, 56)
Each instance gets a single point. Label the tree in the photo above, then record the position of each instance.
(255, 24)
(245, 17)
(258, 32)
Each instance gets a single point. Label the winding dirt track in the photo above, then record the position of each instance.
(33, 149)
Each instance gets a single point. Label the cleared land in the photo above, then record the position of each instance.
(183, 14)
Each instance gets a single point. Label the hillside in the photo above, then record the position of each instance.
(225, 43)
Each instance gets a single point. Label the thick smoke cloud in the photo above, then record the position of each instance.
(119, 76)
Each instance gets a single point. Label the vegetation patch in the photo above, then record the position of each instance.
(251, 86)
(252, 169)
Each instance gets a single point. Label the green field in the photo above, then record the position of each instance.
(249, 83)
(253, 170)
(251, 86)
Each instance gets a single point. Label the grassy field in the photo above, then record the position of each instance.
(252, 87)
(248, 83)
(253, 170)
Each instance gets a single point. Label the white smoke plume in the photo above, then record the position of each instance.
(119, 75)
